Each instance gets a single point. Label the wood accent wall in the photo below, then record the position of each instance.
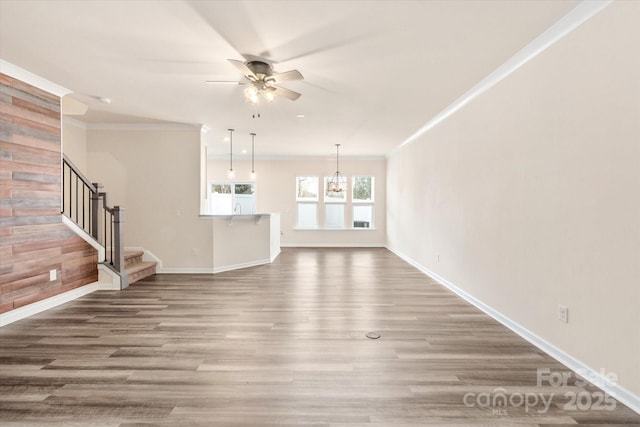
(33, 239)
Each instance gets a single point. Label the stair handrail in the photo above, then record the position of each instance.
(91, 202)
(78, 172)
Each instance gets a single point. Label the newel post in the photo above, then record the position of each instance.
(118, 245)
(95, 208)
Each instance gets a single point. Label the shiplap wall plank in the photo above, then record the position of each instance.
(33, 239)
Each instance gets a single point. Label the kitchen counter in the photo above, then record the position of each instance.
(244, 240)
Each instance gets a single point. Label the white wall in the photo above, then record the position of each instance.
(530, 195)
(155, 176)
(241, 242)
(74, 142)
(276, 191)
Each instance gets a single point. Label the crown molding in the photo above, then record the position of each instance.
(145, 126)
(74, 122)
(34, 80)
(565, 25)
(292, 157)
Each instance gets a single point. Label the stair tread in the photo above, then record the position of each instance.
(132, 254)
(140, 266)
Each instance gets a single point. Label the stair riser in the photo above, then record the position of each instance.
(132, 261)
(136, 268)
(142, 274)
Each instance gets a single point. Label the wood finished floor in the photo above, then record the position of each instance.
(280, 344)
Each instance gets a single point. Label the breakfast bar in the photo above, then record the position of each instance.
(241, 241)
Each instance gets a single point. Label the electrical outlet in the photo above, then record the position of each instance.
(563, 313)
(194, 251)
(437, 256)
(178, 213)
(53, 275)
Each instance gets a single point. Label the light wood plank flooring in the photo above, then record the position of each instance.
(280, 344)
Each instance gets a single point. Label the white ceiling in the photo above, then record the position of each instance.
(375, 71)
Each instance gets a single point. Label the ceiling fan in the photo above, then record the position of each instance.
(262, 80)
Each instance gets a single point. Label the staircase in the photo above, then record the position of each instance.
(136, 268)
(87, 213)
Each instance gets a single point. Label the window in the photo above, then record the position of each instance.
(334, 215)
(307, 188)
(334, 204)
(340, 197)
(362, 189)
(335, 210)
(362, 197)
(307, 215)
(307, 191)
(232, 198)
(362, 216)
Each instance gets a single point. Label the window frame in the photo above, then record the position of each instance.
(344, 215)
(327, 199)
(373, 190)
(317, 221)
(372, 223)
(346, 201)
(232, 184)
(307, 199)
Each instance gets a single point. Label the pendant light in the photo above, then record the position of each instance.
(253, 166)
(231, 174)
(335, 185)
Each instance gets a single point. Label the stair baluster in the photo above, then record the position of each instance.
(113, 230)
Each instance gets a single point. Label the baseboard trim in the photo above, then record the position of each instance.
(49, 303)
(160, 269)
(241, 265)
(616, 391)
(208, 270)
(186, 270)
(84, 236)
(275, 255)
(332, 245)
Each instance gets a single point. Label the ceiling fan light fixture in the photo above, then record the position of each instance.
(251, 94)
(261, 80)
(251, 91)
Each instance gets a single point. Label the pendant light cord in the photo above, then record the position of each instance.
(253, 168)
(231, 149)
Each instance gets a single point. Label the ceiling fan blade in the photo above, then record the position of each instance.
(233, 22)
(242, 67)
(280, 91)
(287, 76)
(224, 82)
